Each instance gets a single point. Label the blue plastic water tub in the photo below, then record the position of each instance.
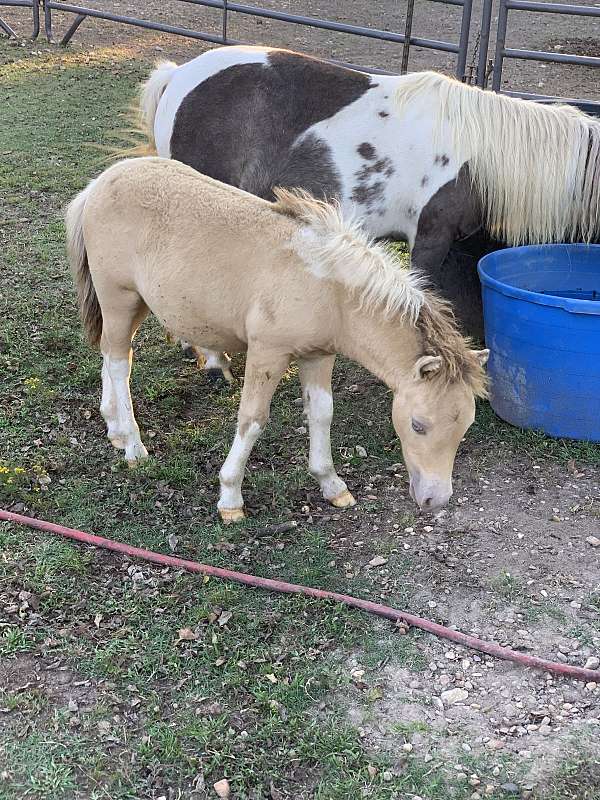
(541, 307)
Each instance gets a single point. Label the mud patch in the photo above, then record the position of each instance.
(35, 685)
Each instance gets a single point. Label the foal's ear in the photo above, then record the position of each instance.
(482, 356)
(426, 365)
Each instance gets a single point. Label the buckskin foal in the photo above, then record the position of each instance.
(282, 281)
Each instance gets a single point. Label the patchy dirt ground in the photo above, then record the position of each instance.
(511, 561)
(547, 32)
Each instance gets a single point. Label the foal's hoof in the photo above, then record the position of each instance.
(134, 453)
(343, 500)
(230, 515)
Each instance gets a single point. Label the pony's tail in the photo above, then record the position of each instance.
(150, 94)
(87, 300)
(139, 133)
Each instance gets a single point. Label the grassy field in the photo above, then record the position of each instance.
(121, 681)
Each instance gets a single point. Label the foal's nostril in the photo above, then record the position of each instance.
(427, 502)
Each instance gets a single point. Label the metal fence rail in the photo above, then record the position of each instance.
(226, 7)
(503, 52)
(82, 12)
(406, 38)
(34, 5)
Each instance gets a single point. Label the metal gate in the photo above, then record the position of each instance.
(478, 74)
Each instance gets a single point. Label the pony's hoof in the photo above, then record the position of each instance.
(117, 442)
(343, 500)
(190, 353)
(231, 515)
(217, 377)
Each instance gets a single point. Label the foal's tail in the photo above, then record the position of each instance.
(87, 300)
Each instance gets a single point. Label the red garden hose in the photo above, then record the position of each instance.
(292, 588)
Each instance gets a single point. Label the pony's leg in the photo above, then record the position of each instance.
(315, 376)
(118, 328)
(216, 365)
(453, 213)
(263, 373)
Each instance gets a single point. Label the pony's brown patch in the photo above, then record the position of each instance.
(441, 336)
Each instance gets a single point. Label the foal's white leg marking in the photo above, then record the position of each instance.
(315, 376)
(231, 502)
(108, 405)
(263, 373)
(318, 407)
(187, 76)
(117, 408)
(215, 360)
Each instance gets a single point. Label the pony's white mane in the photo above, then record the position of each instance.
(338, 249)
(535, 167)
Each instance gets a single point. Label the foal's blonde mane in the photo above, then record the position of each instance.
(536, 167)
(338, 249)
(441, 337)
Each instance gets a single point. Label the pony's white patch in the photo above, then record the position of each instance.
(232, 471)
(117, 409)
(187, 76)
(404, 141)
(339, 249)
(536, 167)
(318, 407)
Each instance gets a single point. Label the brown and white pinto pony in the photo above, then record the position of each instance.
(281, 281)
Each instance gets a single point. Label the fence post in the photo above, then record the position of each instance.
(484, 43)
(500, 45)
(463, 45)
(407, 34)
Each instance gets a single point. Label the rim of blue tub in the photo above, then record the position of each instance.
(571, 305)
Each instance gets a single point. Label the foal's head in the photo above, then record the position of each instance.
(435, 405)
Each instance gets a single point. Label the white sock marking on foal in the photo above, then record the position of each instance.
(318, 407)
(232, 471)
(123, 430)
(108, 407)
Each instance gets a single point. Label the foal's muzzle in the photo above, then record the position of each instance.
(430, 493)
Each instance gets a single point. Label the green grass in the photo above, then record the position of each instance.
(250, 699)
(535, 444)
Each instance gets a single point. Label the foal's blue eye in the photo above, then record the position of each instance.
(418, 427)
